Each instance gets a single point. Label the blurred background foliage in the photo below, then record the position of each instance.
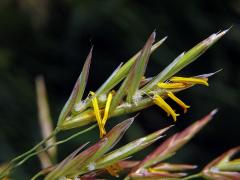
(53, 38)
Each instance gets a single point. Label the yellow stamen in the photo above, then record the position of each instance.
(178, 101)
(101, 121)
(98, 115)
(114, 169)
(162, 104)
(191, 80)
(113, 92)
(171, 85)
(156, 101)
(152, 170)
(107, 107)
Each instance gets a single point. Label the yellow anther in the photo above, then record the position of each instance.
(153, 170)
(98, 115)
(107, 107)
(113, 92)
(162, 104)
(178, 101)
(101, 121)
(171, 85)
(191, 80)
(114, 169)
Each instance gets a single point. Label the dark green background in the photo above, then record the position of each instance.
(52, 38)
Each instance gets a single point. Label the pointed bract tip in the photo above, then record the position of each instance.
(222, 33)
(225, 31)
(181, 55)
(157, 138)
(90, 54)
(214, 37)
(154, 34)
(119, 66)
(39, 77)
(163, 39)
(216, 72)
(161, 131)
(132, 119)
(209, 74)
(194, 166)
(169, 127)
(158, 43)
(152, 37)
(136, 115)
(89, 57)
(212, 113)
(91, 48)
(81, 147)
(127, 123)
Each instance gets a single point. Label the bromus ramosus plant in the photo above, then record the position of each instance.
(135, 93)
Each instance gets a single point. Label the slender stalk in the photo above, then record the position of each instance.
(27, 155)
(37, 175)
(54, 133)
(55, 144)
(73, 136)
(67, 139)
(14, 161)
